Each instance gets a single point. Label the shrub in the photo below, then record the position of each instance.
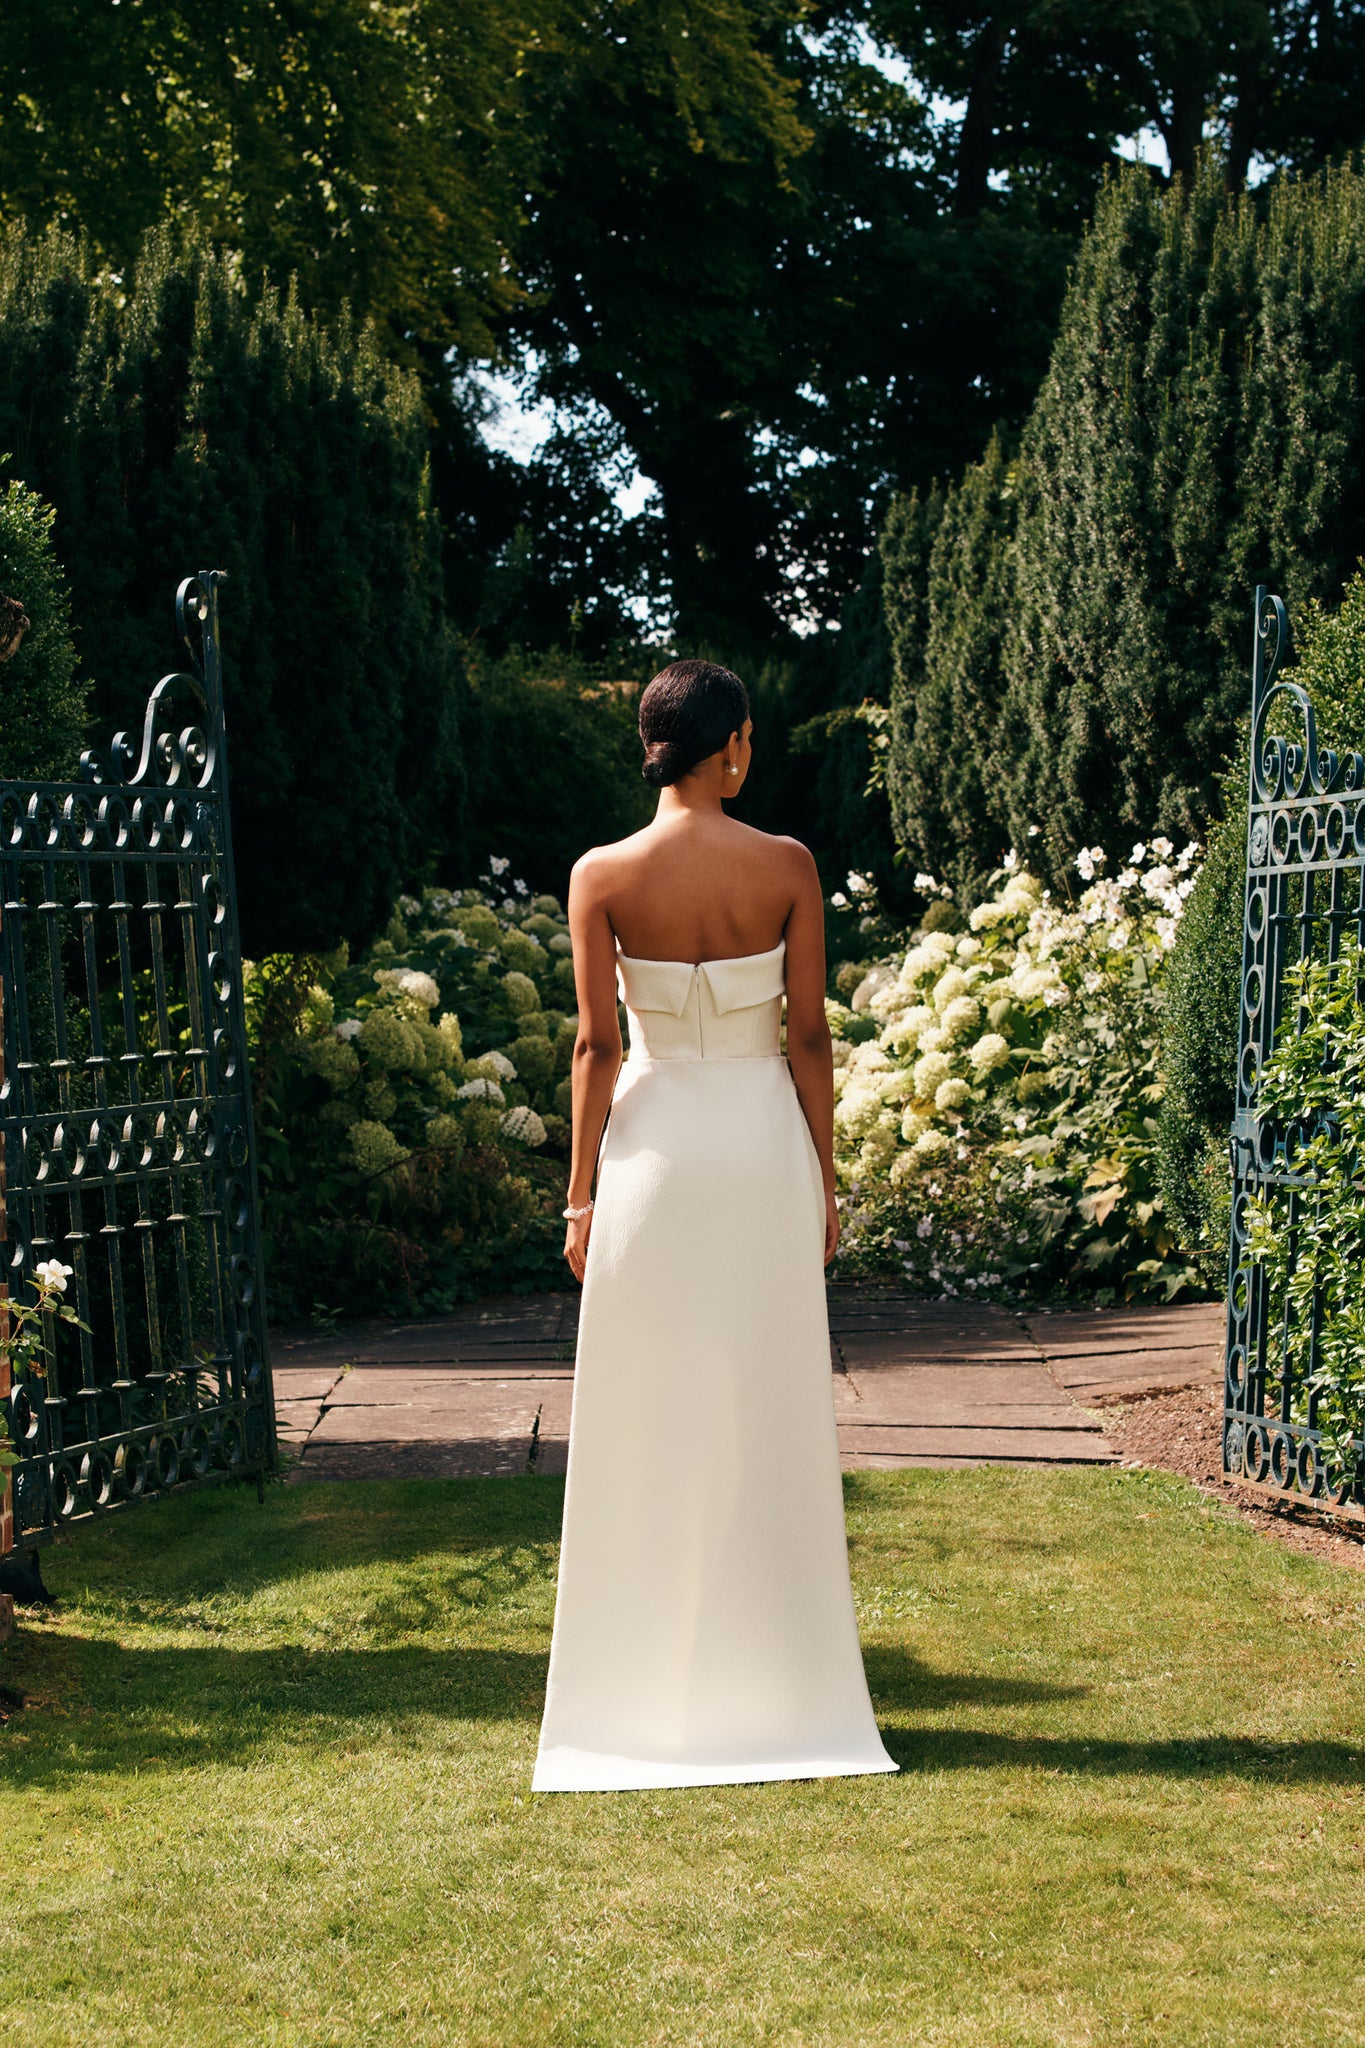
(42, 704)
(998, 1130)
(411, 1153)
(553, 764)
(178, 419)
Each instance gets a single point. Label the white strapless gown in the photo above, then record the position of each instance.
(704, 1630)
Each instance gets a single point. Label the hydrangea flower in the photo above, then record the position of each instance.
(482, 1090)
(523, 1126)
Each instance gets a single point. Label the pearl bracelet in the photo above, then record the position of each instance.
(576, 1215)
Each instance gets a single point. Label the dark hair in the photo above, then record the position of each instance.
(687, 714)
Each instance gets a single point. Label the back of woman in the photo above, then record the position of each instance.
(704, 1629)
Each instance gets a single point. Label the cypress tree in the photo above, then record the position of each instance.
(1201, 429)
(179, 421)
(947, 565)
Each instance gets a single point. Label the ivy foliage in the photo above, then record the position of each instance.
(1201, 1018)
(1310, 1239)
(1069, 646)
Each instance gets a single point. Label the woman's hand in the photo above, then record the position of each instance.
(576, 1244)
(831, 1224)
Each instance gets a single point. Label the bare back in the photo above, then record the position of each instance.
(696, 885)
(698, 888)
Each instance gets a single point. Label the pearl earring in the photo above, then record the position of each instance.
(730, 768)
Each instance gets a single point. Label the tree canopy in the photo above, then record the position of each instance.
(784, 259)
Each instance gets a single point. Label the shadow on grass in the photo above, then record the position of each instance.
(173, 1709)
(1193, 1756)
(192, 1546)
(898, 1680)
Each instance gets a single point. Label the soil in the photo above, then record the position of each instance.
(1182, 1433)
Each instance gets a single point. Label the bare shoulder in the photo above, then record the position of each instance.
(601, 866)
(795, 860)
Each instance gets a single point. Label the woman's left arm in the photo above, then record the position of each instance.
(597, 1048)
(808, 1039)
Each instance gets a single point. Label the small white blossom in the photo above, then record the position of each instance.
(348, 1028)
(925, 1227)
(482, 1090)
(496, 866)
(839, 900)
(1162, 848)
(1138, 854)
(523, 1126)
(53, 1274)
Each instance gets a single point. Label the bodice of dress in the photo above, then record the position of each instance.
(719, 1010)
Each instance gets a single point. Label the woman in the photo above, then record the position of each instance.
(704, 1629)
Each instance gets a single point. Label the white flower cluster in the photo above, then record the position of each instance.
(410, 981)
(961, 1049)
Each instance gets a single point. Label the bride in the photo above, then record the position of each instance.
(704, 1630)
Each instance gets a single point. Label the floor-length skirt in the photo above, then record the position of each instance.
(704, 1628)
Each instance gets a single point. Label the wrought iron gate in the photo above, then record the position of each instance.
(1305, 886)
(125, 1111)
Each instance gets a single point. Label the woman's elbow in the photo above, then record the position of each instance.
(593, 1051)
(813, 1043)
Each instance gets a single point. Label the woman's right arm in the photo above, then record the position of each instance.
(597, 1048)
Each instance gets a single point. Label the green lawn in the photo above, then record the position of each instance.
(273, 1788)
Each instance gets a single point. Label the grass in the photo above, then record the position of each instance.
(272, 1788)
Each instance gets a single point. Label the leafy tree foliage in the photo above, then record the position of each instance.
(740, 254)
(178, 421)
(368, 148)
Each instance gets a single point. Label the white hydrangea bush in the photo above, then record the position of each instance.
(997, 1088)
(413, 1103)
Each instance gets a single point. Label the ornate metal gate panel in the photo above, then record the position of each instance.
(125, 1112)
(1305, 886)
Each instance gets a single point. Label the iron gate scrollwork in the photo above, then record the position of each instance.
(125, 1111)
(1305, 887)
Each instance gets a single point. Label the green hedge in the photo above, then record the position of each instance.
(182, 417)
(42, 703)
(1070, 628)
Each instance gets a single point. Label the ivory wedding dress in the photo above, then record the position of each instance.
(704, 1630)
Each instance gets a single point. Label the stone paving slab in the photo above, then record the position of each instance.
(1066, 1333)
(985, 1446)
(944, 1383)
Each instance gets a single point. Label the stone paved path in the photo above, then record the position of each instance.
(488, 1390)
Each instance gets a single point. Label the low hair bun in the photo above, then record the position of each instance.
(665, 761)
(687, 714)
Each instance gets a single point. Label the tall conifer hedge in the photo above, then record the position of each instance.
(179, 420)
(1071, 649)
